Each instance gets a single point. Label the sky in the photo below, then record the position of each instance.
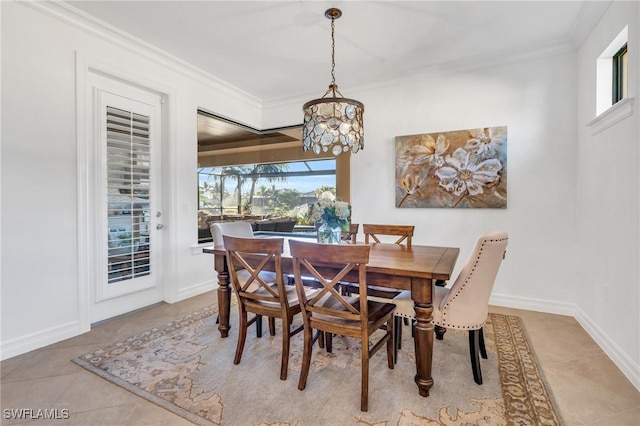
(301, 183)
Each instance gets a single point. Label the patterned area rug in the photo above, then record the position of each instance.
(185, 367)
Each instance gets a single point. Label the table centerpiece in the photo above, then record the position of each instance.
(333, 217)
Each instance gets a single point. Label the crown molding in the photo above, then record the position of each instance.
(587, 19)
(66, 13)
(460, 66)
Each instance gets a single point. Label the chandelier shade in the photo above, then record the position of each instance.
(333, 123)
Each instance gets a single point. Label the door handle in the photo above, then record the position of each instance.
(159, 226)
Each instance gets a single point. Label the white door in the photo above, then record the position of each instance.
(126, 199)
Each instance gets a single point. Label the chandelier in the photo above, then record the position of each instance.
(333, 121)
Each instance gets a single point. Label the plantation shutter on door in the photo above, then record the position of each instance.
(128, 201)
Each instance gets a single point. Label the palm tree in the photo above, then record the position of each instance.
(239, 173)
(206, 191)
(271, 170)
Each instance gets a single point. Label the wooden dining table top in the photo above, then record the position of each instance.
(417, 261)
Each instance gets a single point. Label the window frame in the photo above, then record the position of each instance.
(619, 75)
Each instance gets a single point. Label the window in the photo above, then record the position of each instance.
(262, 194)
(619, 75)
(261, 176)
(611, 73)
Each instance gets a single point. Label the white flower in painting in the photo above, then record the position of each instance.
(460, 175)
(429, 151)
(485, 142)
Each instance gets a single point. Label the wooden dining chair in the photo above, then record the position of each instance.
(373, 232)
(349, 236)
(329, 311)
(403, 234)
(262, 297)
(465, 306)
(352, 234)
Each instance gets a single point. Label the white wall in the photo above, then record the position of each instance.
(40, 271)
(608, 173)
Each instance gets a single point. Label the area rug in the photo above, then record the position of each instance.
(187, 368)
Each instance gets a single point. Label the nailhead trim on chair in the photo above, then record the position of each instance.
(444, 313)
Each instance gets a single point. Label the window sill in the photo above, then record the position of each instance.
(618, 112)
(198, 249)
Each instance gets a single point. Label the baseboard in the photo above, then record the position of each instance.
(531, 304)
(623, 361)
(195, 290)
(30, 342)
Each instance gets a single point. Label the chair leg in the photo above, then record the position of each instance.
(483, 349)
(397, 336)
(364, 386)
(242, 336)
(272, 326)
(474, 347)
(286, 339)
(258, 326)
(440, 332)
(328, 337)
(306, 357)
(392, 342)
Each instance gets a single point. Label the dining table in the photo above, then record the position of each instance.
(415, 268)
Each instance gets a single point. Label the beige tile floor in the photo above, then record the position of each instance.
(588, 388)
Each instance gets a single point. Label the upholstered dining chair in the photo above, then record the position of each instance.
(243, 230)
(272, 299)
(330, 311)
(234, 228)
(465, 306)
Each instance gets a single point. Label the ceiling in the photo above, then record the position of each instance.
(279, 50)
(218, 136)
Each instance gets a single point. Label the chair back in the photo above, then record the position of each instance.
(256, 256)
(329, 305)
(372, 232)
(352, 234)
(235, 229)
(466, 305)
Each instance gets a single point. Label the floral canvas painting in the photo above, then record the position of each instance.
(457, 169)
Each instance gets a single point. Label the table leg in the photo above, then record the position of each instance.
(224, 303)
(423, 333)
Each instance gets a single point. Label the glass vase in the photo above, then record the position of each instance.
(328, 234)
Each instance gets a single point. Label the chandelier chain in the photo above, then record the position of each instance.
(333, 52)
